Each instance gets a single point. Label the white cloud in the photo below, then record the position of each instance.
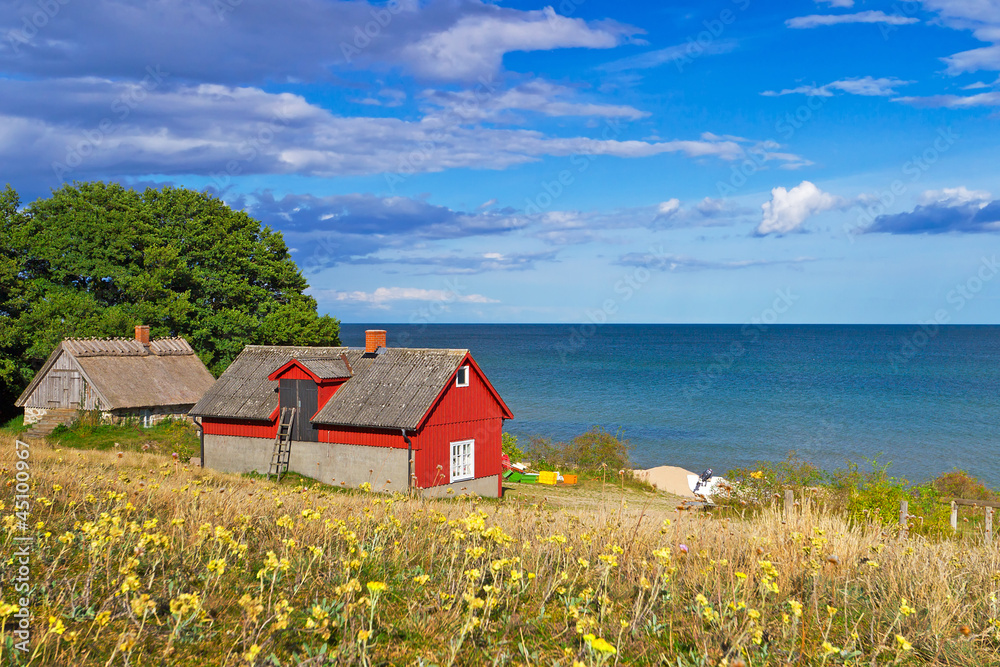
(668, 208)
(475, 45)
(385, 295)
(537, 96)
(982, 18)
(222, 131)
(955, 196)
(974, 60)
(990, 99)
(789, 209)
(866, 85)
(837, 3)
(816, 20)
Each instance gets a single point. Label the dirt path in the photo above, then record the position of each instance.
(591, 495)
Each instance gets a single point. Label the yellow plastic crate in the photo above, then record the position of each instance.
(547, 477)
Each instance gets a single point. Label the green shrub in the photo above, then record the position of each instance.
(760, 482)
(960, 484)
(508, 442)
(591, 452)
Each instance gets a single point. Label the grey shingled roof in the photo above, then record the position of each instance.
(127, 374)
(243, 390)
(394, 390)
(324, 368)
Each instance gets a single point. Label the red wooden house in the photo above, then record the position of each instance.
(397, 418)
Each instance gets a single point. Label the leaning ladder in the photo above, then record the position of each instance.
(282, 444)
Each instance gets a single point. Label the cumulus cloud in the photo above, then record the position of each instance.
(817, 20)
(383, 296)
(668, 208)
(974, 216)
(475, 45)
(789, 209)
(867, 86)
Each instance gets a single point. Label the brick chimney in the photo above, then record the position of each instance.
(374, 339)
(142, 334)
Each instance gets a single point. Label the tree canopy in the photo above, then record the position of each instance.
(96, 259)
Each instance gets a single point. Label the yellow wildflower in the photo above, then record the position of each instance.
(56, 625)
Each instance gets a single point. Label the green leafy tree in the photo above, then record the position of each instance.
(96, 259)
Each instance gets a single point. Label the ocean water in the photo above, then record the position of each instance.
(722, 396)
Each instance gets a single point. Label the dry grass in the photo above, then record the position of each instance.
(140, 561)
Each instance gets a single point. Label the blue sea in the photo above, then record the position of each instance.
(724, 396)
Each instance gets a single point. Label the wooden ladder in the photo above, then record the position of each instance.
(282, 444)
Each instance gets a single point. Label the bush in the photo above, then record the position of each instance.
(763, 480)
(589, 452)
(960, 484)
(508, 443)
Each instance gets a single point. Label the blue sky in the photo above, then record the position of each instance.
(467, 161)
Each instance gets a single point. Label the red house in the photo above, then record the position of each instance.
(397, 418)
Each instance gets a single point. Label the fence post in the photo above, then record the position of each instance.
(789, 503)
(989, 525)
(904, 514)
(954, 516)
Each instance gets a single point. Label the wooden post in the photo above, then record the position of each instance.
(954, 516)
(789, 504)
(904, 514)
(989, 525)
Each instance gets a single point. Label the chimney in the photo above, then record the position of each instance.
(142, 334)
(374, 339)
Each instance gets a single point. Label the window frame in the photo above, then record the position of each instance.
(458, 375)
(468, 469)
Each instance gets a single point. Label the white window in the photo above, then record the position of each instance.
(462, 377)
(463, 460)
(147, 419)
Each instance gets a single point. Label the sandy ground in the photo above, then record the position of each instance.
(668, 478)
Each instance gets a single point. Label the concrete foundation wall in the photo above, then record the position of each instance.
(488, 487)
(334, 464)
(350, 465)
(32, 415)
(233, 453)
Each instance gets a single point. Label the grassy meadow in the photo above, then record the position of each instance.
(139, 560)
